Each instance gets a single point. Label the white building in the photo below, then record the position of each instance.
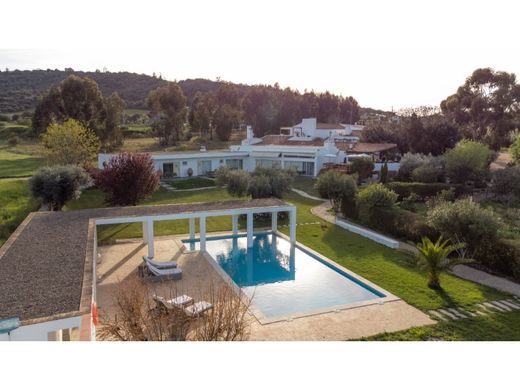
(305, 147)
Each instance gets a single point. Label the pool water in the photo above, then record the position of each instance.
(284, 279)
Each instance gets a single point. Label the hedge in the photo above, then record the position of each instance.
(423, 190)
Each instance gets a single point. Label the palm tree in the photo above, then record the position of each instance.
(433, 258)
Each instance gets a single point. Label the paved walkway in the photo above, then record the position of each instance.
(171, 189)
(480, 309)
(501, 162)
(306, 195)
(481, 277)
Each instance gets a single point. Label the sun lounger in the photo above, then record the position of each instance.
(160, 264)
(198, 308)
(170, 304)
(154, 274)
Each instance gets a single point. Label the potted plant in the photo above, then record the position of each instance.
(190, 172)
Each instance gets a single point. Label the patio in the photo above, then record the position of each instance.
(120, 261)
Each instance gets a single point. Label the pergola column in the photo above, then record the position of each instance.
(292, 223)
(202, 227)
(192, 228)
(249, 229)
(274, 221)
(145, 231)
(149, 237)
(234, 223)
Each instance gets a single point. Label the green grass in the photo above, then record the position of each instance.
(306, 184)
(492, 327)
(17, 164)
(15, 205)
(191, 183)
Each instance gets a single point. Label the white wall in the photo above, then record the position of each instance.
(39, 332)
(392, 167)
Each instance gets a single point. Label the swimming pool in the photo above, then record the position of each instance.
(284, 280)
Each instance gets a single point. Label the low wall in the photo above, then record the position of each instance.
(379, 238)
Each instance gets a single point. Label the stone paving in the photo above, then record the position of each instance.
(480, 309)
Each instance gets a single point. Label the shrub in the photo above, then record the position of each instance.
(412, 161)
(499, 255)
(423, 190)
(409, 202)
(464, 221)
(280, 181)
(506, 181)
(372, 198)
(468, 160)
(56, 185)
(127, 179)
(338, 188)
(514, 150)
(383, 175)
(222, 176)
(425, 174)
(259, 187)
(403, 224)
(237, 183)
(363, 167)
(13, 140)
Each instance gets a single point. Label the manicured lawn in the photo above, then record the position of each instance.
(492, 327)
(17, 164)
(15, 205)
(194, 182)
(306, 184)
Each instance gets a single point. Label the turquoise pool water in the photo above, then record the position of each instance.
(284, 280)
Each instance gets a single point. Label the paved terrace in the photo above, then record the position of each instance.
(46, 266)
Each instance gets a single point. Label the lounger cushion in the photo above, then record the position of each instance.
(198, 308)
(160, 264)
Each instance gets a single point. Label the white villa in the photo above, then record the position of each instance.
(306, 147)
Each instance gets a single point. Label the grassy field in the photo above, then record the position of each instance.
(492, 327)
(14, 164)
(306, 184)
(191, 183)
(15, 205)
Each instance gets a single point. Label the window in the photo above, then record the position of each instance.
(184, 163)
(204, 167)
(234, 163)
(301, 167)
(264, 163)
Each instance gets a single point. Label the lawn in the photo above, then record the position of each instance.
(14, 164)
(15, 205)
(306, 184)
(491, 327)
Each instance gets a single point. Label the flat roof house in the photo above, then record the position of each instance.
(305, 147)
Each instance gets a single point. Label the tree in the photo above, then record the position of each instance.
(80, 98)
(70, 143)
(111, 134)
(363, 166)
(202, 114)
(336, 187)
(237, 182)
(485, 107)
(383, 177)
(271, 182)
(224, 120)
(55, 186)
(434, 259)
(127, 179)
(468, 160)
(167, 112)
(515, 150)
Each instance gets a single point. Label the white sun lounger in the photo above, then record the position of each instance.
(160, 264)
(178, 302)
(198, 308)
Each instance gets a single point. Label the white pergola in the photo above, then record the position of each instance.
(241, 208)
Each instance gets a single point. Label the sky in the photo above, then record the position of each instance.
(386, 54)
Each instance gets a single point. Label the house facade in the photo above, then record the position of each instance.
(306, 148)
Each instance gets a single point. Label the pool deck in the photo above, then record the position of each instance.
(120, 261)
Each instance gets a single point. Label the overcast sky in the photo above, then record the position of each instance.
(387, 54)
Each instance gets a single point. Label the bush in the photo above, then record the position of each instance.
(56, 185)
(237, 182)
(127, 179)
(499, 255)
(411, 161)
(280, 181)
(468, 160)
(363, 167)
(425, 174)
(409, 202)
(514, 150)
(383, 175)
(506, 181)
(259, 187)
(402, 224)
(463, 220)
(338, 188)
(373, 198)
(423, 190)
(222, 176)
(13, 140)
